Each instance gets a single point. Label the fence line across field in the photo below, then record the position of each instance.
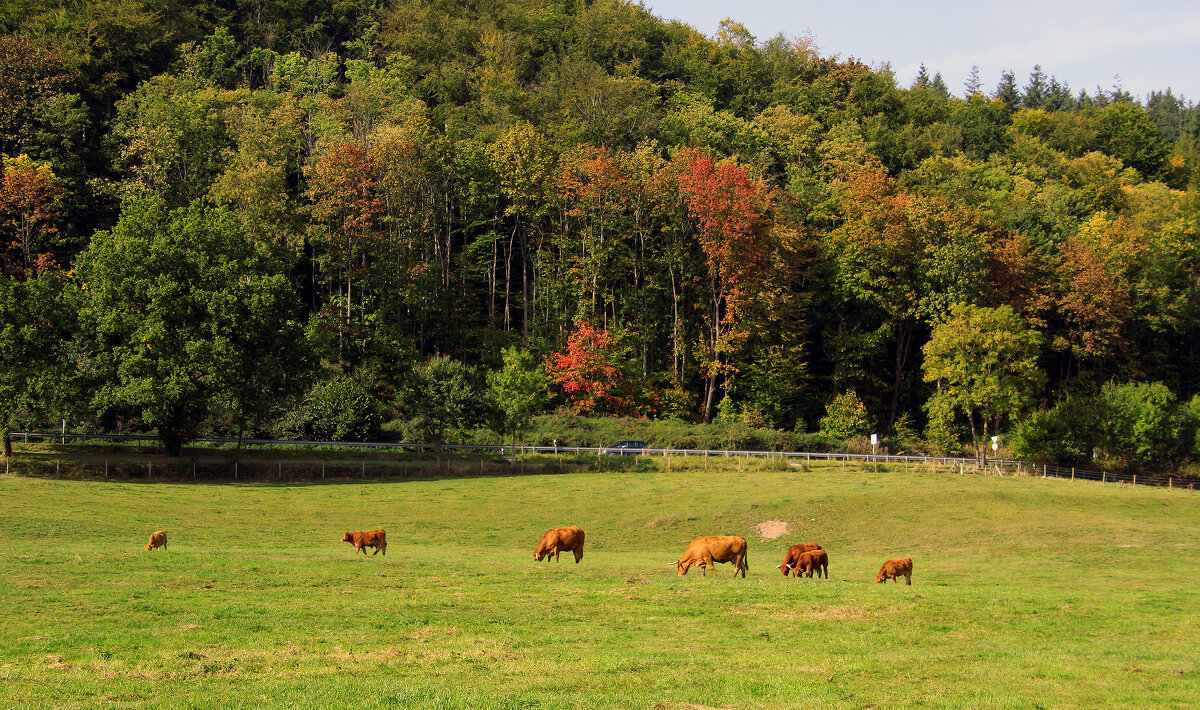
(962, 464)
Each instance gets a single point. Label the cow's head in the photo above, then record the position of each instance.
(880, 578)
(538, 555)
(348, 537)
(682, 566)
(785, 568)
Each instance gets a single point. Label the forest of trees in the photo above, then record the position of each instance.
(313, 218)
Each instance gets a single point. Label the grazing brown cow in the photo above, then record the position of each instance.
(893, 569)
(793, 554)
(158, 538)
(813, 561)
(558, 540)
(704, 551)
(367, 538)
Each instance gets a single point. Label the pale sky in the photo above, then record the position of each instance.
(1151, 45)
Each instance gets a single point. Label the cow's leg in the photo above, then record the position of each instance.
(708, 560)
(908, 578)
(376, 552)
(578, 554)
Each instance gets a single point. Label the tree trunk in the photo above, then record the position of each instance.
(525, 289)
(7, 440)
(172, 441)
(903, 342)
(709, 397)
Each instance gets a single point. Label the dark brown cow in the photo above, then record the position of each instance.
(704, 551)
(558, 540)
(158, 538)
(793, 554)
(362, 539)
(813, 561)
(893, 569)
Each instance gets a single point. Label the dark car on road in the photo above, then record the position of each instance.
(622, 448)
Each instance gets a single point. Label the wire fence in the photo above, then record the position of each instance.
(961, 465)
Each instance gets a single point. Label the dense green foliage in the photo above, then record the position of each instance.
(255, 602)
(669, 225)
(183, 319)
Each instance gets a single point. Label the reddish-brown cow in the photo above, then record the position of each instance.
(814, 561)
(558, 540)
(158, 538)
(894, 569)
(704, 551)
(362, 539)
(793, 555)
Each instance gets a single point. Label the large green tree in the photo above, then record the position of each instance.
(182, 316)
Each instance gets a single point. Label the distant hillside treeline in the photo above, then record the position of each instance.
(310, 217)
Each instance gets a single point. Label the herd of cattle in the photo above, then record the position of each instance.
(803, 559)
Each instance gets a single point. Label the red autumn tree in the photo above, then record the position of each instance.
(730, 209)
(587, 373)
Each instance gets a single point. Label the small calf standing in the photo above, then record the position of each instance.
(793, 556)
(367, 538)
(813, 561)
(158, 538)
(893, 569)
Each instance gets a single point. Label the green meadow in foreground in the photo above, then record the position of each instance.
(1026, 593)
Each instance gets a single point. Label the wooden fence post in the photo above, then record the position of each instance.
(1170, 482)
(322, 470)
(193, 469)
(235, 469)
(1104, 476)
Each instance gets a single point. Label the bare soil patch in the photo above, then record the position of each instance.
(772, 529)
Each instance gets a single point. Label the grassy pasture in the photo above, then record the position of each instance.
(1026, 593)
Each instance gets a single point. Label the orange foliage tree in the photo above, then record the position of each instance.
(733, 228)
(30, 208)
(587, 373)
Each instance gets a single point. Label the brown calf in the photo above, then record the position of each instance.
(367, 538)
(813, 561)
(793, 555)
(158, 538)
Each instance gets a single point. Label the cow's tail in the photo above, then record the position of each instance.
(745, 562)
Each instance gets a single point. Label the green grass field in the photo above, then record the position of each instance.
(1027, 593)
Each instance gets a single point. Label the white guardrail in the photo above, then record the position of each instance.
(964, 465)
